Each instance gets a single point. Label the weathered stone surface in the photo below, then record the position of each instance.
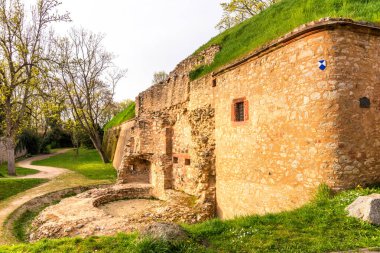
(366, 208)
(121, 208)
(164, 231)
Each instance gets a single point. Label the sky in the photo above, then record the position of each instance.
(146, 35)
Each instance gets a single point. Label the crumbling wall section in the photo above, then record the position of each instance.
(173, 126)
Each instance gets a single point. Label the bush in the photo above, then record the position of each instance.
(57, 138)
(85, 141)
(31, 141)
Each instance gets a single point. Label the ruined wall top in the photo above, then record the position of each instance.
(175, 90)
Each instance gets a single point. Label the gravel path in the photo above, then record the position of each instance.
(9, 205)
(45, 171)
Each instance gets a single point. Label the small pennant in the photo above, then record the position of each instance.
(322, 64)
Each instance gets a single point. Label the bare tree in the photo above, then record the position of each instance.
(85, 71)
(159, 76)
(236, 11)
(22, 43)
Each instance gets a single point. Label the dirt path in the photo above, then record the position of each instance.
(59, 179)
(45, 171)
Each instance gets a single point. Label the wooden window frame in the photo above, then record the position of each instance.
(233, 111)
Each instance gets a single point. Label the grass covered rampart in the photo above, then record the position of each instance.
(277, 21)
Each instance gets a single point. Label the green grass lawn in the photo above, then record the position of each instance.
(278, 20)
(19, 171)
(10, 187)
(88, 163)
(125, 115)
(321, 226)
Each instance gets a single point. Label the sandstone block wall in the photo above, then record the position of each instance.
(304, 126)
(356, 76)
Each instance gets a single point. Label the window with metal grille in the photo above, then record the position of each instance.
(239, 111)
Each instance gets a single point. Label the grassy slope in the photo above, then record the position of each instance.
(88, 163)
(127, 114)
(10, 187)
(321, 226)
(279, 20)
(19, 171)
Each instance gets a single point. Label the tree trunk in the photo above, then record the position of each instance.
(10, 146)
(98, 145)
(103, 155)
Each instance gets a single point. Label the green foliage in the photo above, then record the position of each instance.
(117, 244)
(57, 138)
(85, 140)
(125, 115)
(35, 144)
(31, 140)
(321, 226)
(196, 72)
(324, 194)
(21, 225)
(10, 187)
(87, 163)
(280, 19)
(236, 11)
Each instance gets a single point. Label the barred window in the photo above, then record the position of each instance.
(239, 110)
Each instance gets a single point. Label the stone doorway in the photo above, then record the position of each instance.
(139, 171)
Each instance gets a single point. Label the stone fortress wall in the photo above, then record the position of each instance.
(302, 126)
(305, 125)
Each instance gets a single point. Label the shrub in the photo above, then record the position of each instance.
(31, 141)
(57, 138)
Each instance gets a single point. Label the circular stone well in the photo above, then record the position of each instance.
(110, 211)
